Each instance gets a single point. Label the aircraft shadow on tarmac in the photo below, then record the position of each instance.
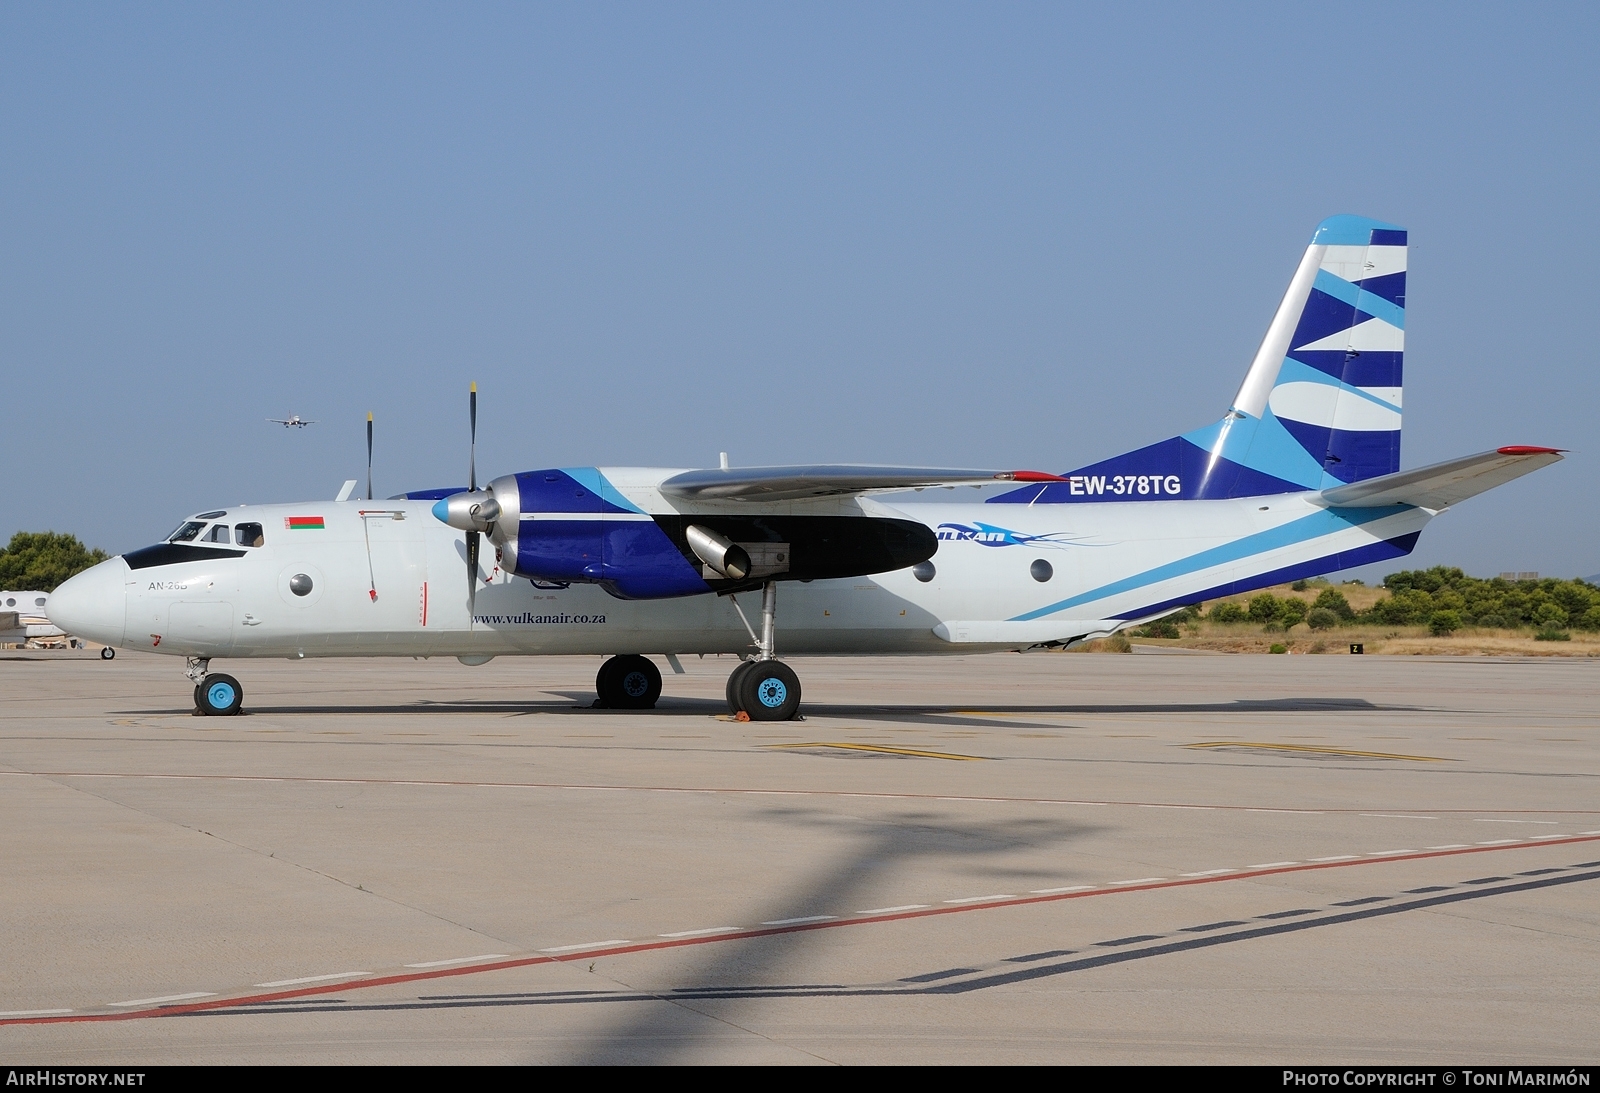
(895, 841)
(579, 703)
(660, 1033)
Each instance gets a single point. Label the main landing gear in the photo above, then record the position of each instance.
(764, 688)
(628, 683)
(215, 695)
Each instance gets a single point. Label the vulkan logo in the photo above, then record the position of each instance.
(991, 536)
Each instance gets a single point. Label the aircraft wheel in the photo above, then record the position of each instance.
(605, 687)
(219, 695)
(639, 684)
(735, 678)
(770, 691)
(628, 683)
(108, 653)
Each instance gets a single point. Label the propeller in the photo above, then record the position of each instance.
(475, 511)
(369, 455)
(472, 489)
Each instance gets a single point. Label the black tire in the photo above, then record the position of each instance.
(108, 653)
(628, 683)
(605, 686)
(735, 703)
(770, 691)
(219, 695)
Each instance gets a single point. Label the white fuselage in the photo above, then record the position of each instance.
(388, 579)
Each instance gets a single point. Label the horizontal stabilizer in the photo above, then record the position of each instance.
(827, 480)
(1443, 484)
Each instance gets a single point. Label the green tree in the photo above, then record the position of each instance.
(1227, 611)
(1574, 597)
(1408, 605)
(1331, 599)
(1322, 618)
(1291, 612)
(43, 559)
(1263, 608)
(1550, 616)
(1442, 623)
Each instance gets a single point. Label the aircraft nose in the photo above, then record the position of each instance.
(94, 604)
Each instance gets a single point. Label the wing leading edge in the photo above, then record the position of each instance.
(827, 480)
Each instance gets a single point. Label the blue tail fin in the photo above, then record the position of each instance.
(1320, 406)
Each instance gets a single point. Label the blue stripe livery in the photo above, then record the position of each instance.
(630, 558)
(1348, 230)
(1331, 411)
(1316, 526)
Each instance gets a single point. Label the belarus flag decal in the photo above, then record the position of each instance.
(303, 523)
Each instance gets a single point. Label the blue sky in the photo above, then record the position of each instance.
(987, 235)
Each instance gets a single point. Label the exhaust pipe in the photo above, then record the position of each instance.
(723, 555)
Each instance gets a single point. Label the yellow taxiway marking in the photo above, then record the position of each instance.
(1317, 750)
(880, 748)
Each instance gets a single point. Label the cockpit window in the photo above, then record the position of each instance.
(217, 534)
(187, 532)
(249, 535)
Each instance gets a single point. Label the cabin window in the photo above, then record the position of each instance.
(217, 534)
(187, 532)
(249, 535)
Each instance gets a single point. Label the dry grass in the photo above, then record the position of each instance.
(1250, 637)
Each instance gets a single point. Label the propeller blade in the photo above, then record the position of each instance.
(369, 455)
(472, 571)
(472, 459)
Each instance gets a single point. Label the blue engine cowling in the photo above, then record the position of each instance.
(571, 525)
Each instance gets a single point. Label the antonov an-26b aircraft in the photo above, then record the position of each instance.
(1300, 477)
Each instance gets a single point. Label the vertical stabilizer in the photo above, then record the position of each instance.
(1320, 405)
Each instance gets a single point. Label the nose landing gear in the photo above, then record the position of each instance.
(215, 695)
(763, 689)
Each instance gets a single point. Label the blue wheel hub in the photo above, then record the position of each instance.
(635, 684)
(220, 695)
(771, 693)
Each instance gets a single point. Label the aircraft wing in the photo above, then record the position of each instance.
(827, 480)
(1443, 484)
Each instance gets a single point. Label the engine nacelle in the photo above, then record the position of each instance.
(572, 526)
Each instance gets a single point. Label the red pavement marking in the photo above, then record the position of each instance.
(655, 946)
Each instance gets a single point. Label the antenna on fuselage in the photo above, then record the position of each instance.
(369, 455)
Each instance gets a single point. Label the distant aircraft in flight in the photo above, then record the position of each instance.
(292, 421)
